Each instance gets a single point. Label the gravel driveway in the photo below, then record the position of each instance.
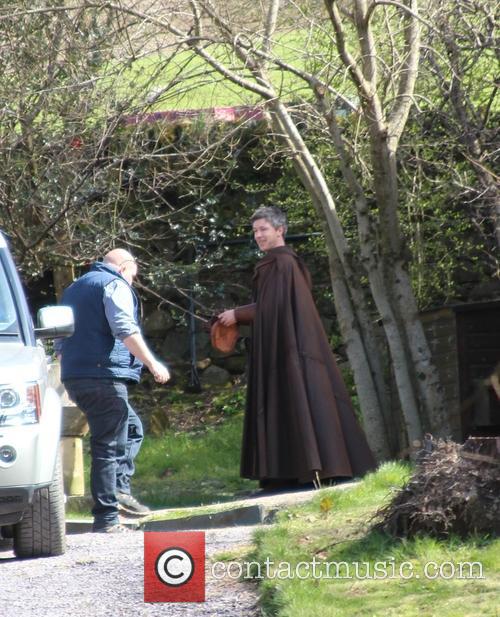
(102, 575)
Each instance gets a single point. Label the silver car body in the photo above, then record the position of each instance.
(35, 444)
(30, 409)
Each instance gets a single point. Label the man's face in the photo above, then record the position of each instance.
(128, 269)
(267, 236)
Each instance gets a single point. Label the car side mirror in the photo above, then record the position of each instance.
(55, 322)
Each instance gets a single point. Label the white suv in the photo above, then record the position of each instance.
(31, 491)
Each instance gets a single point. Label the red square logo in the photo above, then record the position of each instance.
(174, 566)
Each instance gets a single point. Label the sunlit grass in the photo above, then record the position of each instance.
(179, 469)
(400, 584)
(184, 80)
(191, 469)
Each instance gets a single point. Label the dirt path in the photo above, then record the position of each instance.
(102, 575)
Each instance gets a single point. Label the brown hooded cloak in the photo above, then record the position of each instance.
(299, 417)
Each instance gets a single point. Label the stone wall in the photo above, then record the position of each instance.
(172, 342)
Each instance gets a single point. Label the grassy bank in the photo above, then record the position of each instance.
(334, 528)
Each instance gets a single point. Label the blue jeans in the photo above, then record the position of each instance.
(116, 435)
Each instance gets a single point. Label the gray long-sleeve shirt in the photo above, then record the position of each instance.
(119, 309)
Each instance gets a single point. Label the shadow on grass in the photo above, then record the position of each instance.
(379, 546)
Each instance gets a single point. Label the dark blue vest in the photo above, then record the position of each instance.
(92, 351)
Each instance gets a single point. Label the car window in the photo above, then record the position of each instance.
(8, 316)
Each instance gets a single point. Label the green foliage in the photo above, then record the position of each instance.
(334, 528)
(230, 402)
(447, 234)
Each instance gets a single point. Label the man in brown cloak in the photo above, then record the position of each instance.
(299, 423)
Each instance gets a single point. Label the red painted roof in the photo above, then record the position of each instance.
(224, 114)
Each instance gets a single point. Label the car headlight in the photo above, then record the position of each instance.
(19, 404)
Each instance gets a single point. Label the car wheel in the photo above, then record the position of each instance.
(41, 532)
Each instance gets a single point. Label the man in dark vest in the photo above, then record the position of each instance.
(105, 353)
(300, 425)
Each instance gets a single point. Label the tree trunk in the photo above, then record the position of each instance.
(363, 352)
(423, 373)
(356, 327)
(62, 277)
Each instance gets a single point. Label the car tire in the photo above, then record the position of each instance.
(42, 532)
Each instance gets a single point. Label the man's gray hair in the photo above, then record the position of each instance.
(274, 215)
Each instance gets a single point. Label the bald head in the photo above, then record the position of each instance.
(122, 261)
(117, 256)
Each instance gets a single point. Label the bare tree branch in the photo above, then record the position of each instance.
(270, 26)
(409, 71)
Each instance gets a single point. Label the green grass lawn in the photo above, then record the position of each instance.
(196, 461)
(201, 86)
(184, 469)
(334, 528)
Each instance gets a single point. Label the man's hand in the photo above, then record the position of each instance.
(227, 318)
(138, 348)
(159, 371)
